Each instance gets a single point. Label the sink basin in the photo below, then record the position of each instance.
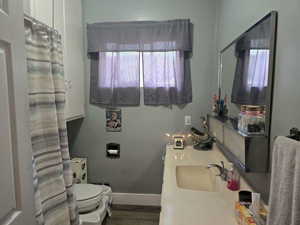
(198, 178)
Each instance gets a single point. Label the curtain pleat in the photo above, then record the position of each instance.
(54, 196)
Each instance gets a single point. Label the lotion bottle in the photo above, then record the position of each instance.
(233, 181)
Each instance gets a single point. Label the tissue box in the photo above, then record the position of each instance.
(242, 215)
(79, 168)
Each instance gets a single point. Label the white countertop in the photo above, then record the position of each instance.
(188, 207)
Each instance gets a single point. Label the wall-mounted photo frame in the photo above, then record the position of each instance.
(113, 120)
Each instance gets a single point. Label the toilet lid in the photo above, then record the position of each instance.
(88, 196)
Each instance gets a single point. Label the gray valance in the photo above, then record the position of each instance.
(171, 35)
(257, 38)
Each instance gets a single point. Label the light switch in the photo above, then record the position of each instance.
(187, 120)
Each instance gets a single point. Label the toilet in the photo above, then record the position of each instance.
(93, 200)
(93, 203)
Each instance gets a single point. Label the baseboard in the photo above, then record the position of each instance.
(136, 199)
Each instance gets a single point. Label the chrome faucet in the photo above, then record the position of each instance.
(223, 171)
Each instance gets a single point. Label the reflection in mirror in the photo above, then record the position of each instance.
(229, 62)
(246, 85)
(252, 61)
(244, 78)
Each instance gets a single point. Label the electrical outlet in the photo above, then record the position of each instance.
(187, 120)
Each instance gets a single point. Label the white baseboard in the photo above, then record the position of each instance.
(136, 199)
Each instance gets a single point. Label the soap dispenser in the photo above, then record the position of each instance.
(233, 181)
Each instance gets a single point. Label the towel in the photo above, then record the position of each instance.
(285, 183)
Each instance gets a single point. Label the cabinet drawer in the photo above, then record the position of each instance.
(235, 143)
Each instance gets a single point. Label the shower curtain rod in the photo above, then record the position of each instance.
(34, 20)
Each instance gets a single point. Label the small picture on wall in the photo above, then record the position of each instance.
(113, 120)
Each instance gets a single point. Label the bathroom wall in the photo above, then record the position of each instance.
(140, 168)
(26, 6)
(234, 17)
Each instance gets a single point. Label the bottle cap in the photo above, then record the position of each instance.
(230, 166)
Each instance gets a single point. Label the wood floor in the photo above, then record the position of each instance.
(133, 215)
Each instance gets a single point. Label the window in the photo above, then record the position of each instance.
(160, 69)
(154, 68)
(160, 74)
(128, 56)
(119, 69)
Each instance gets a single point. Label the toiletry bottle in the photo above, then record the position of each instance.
(225, 106)
(214, 108)
(255, 205)
(233, 182)
(241, 123)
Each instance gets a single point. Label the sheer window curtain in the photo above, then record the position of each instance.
(116, 80)
(166, 79)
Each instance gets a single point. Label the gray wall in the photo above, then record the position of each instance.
(26, 6)
(140, 168)
(234, 17)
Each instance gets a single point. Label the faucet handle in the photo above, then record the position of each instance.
(220, 168)
(223, 171)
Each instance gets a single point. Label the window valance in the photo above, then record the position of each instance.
(256, 38)
(171, 35)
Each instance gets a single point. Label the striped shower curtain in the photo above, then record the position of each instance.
(54, 197)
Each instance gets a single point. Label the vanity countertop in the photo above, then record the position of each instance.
(188, 207)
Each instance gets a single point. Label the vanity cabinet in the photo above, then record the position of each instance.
(66, 17)
(217, 130)
(236, 143)
(247, 152)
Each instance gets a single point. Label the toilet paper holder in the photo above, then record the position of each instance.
(113, 150)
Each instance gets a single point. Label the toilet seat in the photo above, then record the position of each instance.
(88, 196)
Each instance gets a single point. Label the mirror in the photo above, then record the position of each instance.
(246, 77)
(246, 72)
